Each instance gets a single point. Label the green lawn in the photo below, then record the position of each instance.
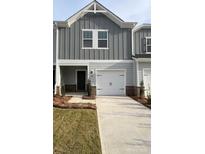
(75, 131)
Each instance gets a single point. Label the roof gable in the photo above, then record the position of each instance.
(96, 7)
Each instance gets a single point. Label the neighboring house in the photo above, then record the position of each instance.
(141, 48)
(95, 44)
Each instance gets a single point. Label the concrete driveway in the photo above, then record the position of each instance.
(124, 125)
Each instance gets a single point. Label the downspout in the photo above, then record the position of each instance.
(58, 78)
(132, 42)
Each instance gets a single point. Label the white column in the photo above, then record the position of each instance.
(137, 71)
(58, 73)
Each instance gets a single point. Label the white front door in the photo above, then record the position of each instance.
(147, 80)
(110, 82)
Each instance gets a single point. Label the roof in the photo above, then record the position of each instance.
(96, 7)
(142, 26)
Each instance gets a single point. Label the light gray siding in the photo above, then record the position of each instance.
(141, 66)
(127, 66)
(138, 40)
(70, 40)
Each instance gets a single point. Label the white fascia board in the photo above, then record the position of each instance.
(78, 15)
(64, 62)
(104, 11)
(138, 27)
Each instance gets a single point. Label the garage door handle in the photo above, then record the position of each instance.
(99, 89)
(99, 75)
(121, 75)
(121, 88)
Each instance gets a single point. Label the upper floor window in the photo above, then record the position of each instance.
(102, 39)
(87, 39)
(95, 39)
(148, 44)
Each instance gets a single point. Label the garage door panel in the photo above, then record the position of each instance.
(110, 82)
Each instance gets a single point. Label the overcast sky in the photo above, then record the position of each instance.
(129, 10)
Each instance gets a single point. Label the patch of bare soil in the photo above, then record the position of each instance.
(63, 102)
(61, 99)
(89, 97)
(143, 101)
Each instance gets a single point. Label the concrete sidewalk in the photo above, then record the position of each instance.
(124, 125)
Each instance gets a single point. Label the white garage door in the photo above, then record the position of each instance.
(110, 82)
(147, 80)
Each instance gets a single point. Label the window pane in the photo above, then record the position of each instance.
(148, 41)
(148, 48)
(102, 35)
(102, 43)
(87, 34)
(87, 43)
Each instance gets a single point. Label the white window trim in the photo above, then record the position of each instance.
(86, 39)
(95, 38)
(148, 45)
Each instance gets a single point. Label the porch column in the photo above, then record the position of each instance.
(58, 72)
(136, 75)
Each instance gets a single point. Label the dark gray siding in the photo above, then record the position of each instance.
(139, 44)
(70, 40)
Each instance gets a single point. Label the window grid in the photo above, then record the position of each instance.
(99, 38)
(148, 44)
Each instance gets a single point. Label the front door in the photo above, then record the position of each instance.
(80, 80)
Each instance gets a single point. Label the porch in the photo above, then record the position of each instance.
(74, 80)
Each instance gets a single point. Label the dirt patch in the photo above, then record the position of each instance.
(89, 97)
(63, 102)
(143, 101)
(61, 99)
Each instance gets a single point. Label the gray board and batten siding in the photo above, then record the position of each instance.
(139, 40)
(70, 40)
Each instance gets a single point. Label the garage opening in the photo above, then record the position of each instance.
(110, 82)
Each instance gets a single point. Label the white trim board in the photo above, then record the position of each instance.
(64, 62)
(142, 59)
(102, 10)
(138, 27)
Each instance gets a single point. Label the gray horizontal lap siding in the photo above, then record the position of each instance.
(139, 36)
(70, 40)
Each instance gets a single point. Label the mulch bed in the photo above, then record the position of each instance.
(89, 97)
(143, 101)
(62, 102)
(61, 99)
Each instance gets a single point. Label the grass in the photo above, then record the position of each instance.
(75, 131)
